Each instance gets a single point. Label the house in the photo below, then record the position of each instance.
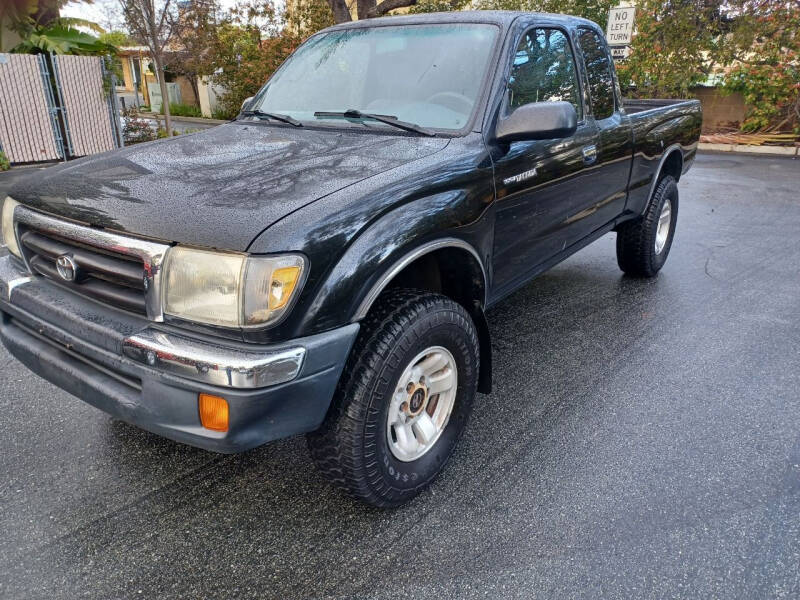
(139, 81)
(132, 90)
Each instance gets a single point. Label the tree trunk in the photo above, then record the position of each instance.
(364, 7)
(341, 14)
(387, 5)
(195, 89)
(46, 12)
(162, 84)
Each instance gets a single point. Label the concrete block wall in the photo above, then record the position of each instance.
(719, 110)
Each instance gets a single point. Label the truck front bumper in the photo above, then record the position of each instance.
(123, 365)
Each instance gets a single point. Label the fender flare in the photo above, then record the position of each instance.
(657, 175)
(407, 259)
(476, 310)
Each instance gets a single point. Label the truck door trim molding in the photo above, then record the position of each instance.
(664, 156)
(401, 264)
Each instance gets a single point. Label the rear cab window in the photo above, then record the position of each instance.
(598, 72)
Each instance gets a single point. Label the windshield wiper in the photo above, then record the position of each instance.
(274, 116)
(352, 113)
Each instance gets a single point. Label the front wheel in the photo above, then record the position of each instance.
(644, 244)
(403, 401)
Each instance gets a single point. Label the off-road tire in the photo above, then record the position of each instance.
(636, 254)
(351, 448)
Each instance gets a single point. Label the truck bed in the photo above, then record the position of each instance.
(633, 106)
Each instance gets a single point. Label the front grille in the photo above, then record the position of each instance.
(112, 278)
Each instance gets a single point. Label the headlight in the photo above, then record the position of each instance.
(9, 237)
(230, 290)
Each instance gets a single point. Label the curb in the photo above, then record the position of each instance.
(793, 151)
(199, 120)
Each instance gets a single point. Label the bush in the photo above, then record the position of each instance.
(223, 113)
(135, 129)
(184, 110)
(5, 165)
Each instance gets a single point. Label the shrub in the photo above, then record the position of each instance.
(135, 129)
(184, 110)
(223, 113)
(768, 77)
(5, 165)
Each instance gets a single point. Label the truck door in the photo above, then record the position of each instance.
(542, 185)
(614, 151)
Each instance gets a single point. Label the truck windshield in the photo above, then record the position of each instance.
(428, 75)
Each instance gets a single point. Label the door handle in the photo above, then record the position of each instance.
(589, 154)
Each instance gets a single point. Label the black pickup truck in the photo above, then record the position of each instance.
(323, 263)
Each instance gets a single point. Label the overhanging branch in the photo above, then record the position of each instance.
(389, 5)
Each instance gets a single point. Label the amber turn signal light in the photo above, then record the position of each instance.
(213, 412)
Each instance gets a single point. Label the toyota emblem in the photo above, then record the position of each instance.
(67, 268)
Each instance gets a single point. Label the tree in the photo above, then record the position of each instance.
(151, 21)
(111, 17)
(365, 9)
(194, 30)
(676, 47)
(248, 46)
(115, 38)
(765, 63)
(594, 10)
(305, 17)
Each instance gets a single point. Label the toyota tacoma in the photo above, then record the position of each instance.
(323, 263)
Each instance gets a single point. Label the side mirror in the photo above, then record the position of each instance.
(246, 103)
(538, 121)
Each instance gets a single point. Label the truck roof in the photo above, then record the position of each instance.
(503, 18)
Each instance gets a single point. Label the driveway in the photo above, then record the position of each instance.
(642, 441)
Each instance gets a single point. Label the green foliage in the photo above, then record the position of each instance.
(430, 6)
(222, 113)
(247, 48)
(768, 74)
(594, 10)
(674, 49)
(62, 40)
(115, 38)
(184, 110)
(5, 165)
(305, 17)
(193, 33)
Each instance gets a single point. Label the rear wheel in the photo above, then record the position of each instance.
(403, 401)
(644, 244)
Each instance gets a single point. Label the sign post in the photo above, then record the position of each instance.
(619, 31)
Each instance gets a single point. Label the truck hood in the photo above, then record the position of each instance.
(219, 188)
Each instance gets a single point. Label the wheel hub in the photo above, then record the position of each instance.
(417, 401)
(423, 400)
(662, 229)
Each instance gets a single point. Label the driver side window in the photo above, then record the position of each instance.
(544, 70)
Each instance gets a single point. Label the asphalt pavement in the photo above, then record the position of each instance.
(642, 441)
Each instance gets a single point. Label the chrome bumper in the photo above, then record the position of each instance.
(211, 364)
